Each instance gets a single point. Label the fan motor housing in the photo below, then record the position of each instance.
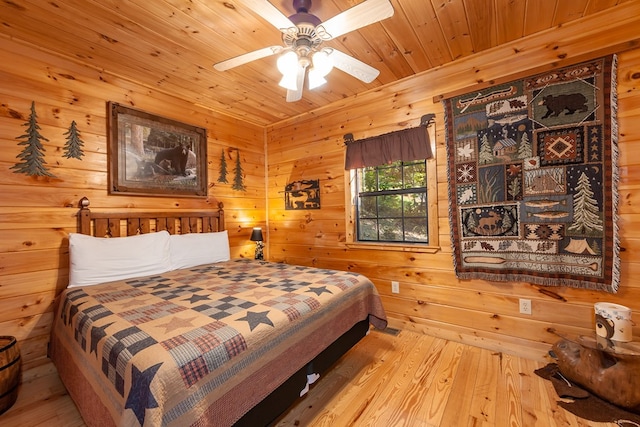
(304, 39)
(305, 18)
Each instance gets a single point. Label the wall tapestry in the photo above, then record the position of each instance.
(533, 179)
(303, 194)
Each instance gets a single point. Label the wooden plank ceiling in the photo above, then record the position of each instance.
(171, 45)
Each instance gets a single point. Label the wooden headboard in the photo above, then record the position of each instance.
(130, 223)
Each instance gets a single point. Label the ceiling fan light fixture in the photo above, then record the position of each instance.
(303, 34)
(290, 80)
(316, 79)
(288, 63)
(322, 62)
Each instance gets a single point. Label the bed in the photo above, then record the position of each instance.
(160, 327)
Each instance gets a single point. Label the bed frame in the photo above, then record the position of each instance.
(127, 223)
(130, 223)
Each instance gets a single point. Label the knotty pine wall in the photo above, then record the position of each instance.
(431, 298)
(36, 214)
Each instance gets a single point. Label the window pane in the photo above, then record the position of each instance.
(392, 203)
(415, 204)
(391, 230)
(390, 177)
(416, 230)
(415, 175)
(368, 229)
(390, 206)
(368, 179)
(368, 208)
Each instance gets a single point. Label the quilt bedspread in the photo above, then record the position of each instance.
(200, 346)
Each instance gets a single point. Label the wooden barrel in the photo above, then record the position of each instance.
(9, 372)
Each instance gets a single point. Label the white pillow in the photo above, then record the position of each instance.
(189, 250)
(95, 260)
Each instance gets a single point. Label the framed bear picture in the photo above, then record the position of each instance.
(151, 155)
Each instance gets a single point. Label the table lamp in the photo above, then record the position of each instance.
(256, 236)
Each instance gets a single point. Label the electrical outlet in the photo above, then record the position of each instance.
(525, 306)
(395, 287)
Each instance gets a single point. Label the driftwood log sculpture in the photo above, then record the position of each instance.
(614, 377)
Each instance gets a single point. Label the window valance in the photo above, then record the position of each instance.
(406, 145)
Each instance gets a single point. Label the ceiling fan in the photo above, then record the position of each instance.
(303, 35)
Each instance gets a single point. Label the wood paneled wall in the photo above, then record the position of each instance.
(431, 298)
(36, 214)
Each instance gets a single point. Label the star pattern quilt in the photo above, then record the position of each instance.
(200, 346)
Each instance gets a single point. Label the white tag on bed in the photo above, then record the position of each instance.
(311, 378)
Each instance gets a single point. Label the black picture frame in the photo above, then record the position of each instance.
(150, 155)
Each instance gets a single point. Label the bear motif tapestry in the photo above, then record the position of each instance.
(533, 178)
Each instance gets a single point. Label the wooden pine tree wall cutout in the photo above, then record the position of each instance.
(73, 146)
(238, 183)
(32, 156)
(222, 178)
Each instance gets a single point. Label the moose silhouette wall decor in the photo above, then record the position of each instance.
(303, 194)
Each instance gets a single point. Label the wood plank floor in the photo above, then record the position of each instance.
(405, 380)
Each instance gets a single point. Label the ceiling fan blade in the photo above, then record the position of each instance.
(296, 95)
(270, 13)
(360, 15)
(353, 66)
(247, 57)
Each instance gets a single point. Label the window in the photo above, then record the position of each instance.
(391, 203)
(394, 206)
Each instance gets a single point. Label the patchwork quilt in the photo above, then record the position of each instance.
(200, 346)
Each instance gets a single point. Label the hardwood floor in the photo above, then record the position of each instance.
(405, 380)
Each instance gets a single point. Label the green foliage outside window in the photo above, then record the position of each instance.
(392, 203)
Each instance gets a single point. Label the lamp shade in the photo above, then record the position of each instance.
(287, 63)
(322, 62)
(289, 81)
(256, 234)
(315, 79)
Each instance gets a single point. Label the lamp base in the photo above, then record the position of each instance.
(259, 250)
